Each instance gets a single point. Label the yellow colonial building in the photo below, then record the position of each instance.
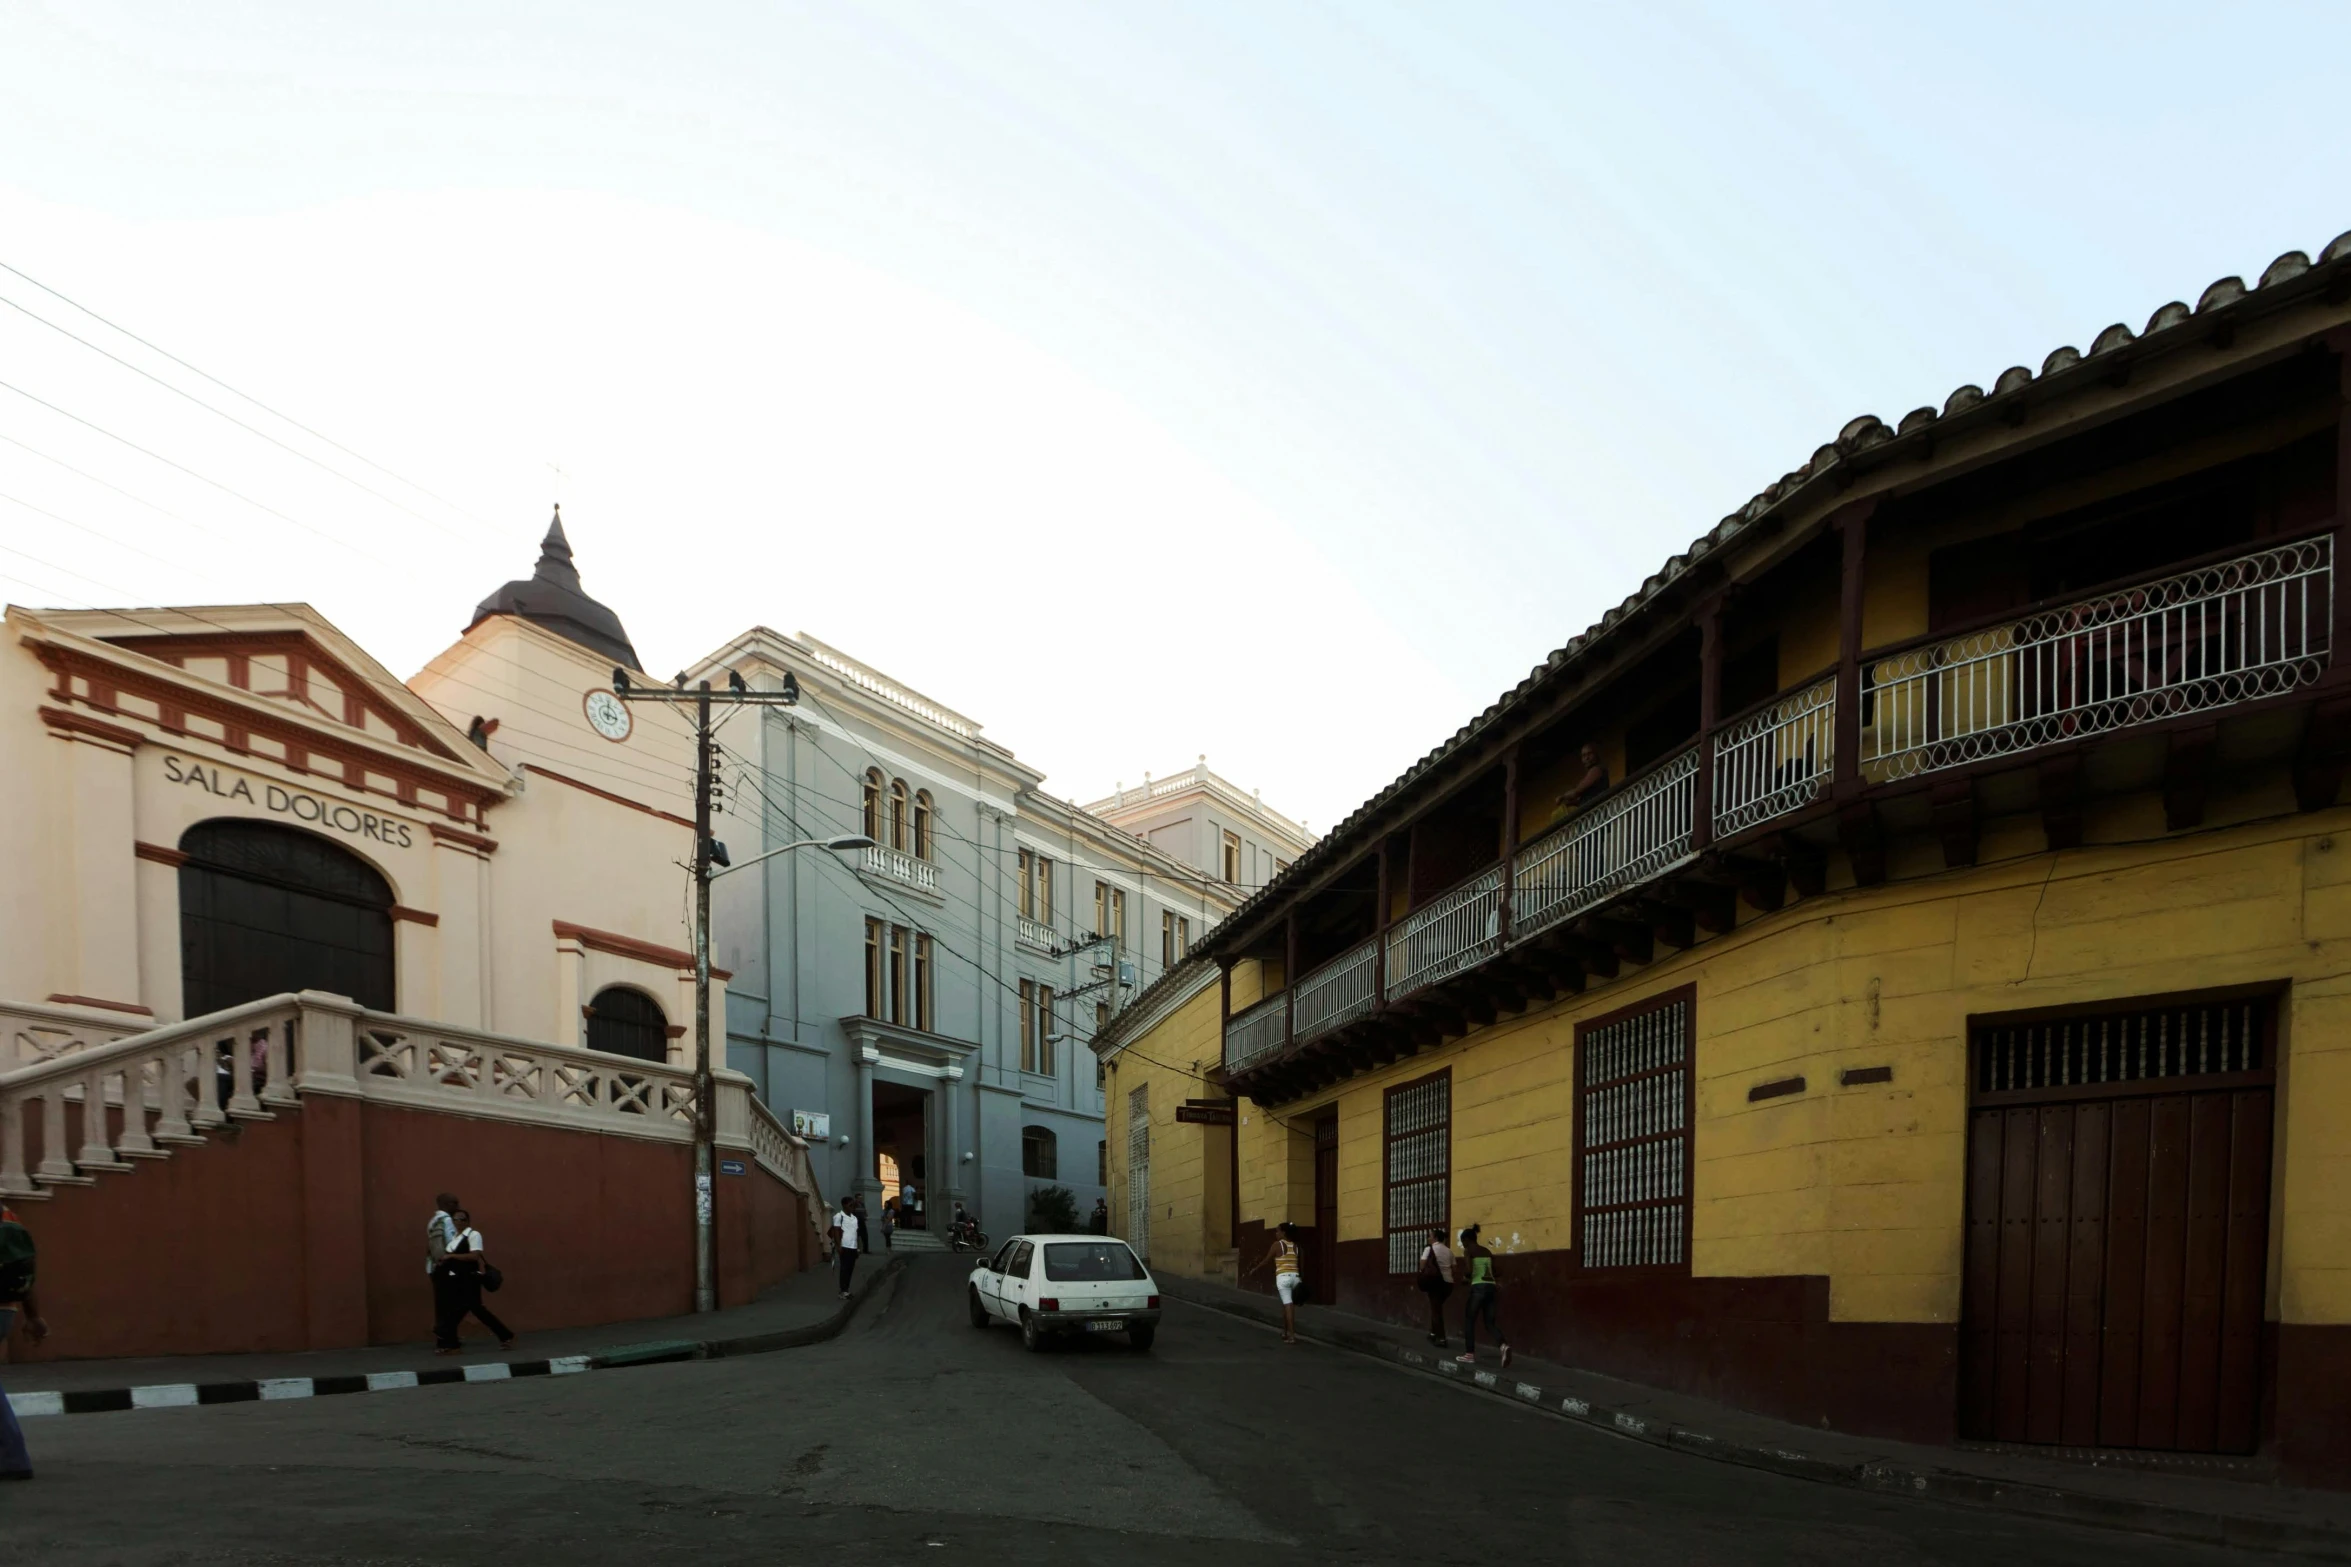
(1892, 971)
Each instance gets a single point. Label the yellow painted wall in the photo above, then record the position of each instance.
(1864, 1185)
(1191, 1167)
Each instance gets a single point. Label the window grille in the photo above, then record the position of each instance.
(1633, 1136)
(1419, 1165)
(2123, 1047)
(1138, 1234)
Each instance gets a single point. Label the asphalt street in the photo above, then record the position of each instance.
(915, 1433)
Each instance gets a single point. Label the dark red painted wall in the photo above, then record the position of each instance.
(1768, 1345)
(307, 1232)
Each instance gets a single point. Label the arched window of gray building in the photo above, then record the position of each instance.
(1040, 1155)
(898, 814)
(922, 824)
(266, 909)
(873, 803)
(626, 1022)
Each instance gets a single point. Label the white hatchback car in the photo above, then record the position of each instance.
(1047, 1285)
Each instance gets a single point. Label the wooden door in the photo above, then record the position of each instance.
(2118, 1231)
(1323, 1278)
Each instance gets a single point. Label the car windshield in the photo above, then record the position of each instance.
(1086, 1262)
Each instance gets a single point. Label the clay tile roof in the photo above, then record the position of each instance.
(1858, 435)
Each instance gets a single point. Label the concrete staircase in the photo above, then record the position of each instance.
(916, 1241)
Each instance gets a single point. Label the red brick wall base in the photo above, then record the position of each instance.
(307, 1232)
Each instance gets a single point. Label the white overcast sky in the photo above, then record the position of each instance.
(1268, 380)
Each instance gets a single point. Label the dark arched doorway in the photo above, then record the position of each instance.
(266, 909)
(628, 1023)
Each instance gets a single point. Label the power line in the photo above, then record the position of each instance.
(233, 419)
(234, 392)
(193, 474)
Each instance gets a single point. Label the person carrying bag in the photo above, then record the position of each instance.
(466, 1272)
(1436, 1282)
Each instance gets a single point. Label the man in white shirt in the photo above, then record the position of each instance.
(848, 1222)
(440, 1233)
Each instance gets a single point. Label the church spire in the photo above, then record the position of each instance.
(552, 597)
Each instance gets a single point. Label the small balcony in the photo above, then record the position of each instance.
(1034, 935)
(896, 865)
(1631, 872)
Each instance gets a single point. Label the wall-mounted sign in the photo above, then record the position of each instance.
(1205, 1115)
(730, 1167)
(815, 1125)
(302, 807)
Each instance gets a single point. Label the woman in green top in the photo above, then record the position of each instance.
(1485, 1296)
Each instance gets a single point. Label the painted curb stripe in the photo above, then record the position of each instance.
(183, 1395)
(164, 1395)
(2015, 1497)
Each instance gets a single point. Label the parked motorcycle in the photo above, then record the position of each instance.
(966, 1235)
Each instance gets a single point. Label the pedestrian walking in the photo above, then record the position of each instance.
(1289, 1275)
(846, 1225)
(467, 1270)
(1099, 1220)
(1485, 1299)
(889, 1227)
(439, 1231)
(16, 1299)
(1436, 1282)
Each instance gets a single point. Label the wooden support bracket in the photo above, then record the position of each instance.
(1955, 820)
(1863, 838)
(2061, 799)
(2187, 776)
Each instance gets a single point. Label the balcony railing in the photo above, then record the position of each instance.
(1458, 930)
(2255, 626)
(899, 866)
(1034, 934)
(1775, 760)
(2251, 627)
(1638, 832)
(1339, 992)
(1255, 1035)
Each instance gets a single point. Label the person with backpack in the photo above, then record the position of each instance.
(467, 1271)
(16, 1298)
(1436, 1282)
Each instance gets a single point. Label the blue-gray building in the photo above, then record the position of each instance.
(922, 1007)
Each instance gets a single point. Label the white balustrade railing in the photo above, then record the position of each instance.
(32, 1032)
(438, 1067)
(71, 1116)
(1034, 935)
(899, 866)
(1638, 832)
(138, 1097)
(1775, 760)
(1255, 1035)
(2251, 627)
(1454, 931)
(1339, 992)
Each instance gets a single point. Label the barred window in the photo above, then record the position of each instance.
(2123, 1047)
(1419, 1165)
(1633, 1137)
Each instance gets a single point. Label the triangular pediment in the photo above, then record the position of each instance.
(286, 656)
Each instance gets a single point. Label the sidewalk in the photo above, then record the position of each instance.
(2219, 1501)
(803, 1309)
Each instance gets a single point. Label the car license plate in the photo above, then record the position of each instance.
(1106, 1325)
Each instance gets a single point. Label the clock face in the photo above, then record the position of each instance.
(608, 715)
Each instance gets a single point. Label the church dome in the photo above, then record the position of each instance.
(552, 597)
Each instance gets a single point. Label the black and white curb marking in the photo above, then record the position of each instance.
(181, 1395)
(2241, 1530)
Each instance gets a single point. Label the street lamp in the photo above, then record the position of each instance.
(837, 845)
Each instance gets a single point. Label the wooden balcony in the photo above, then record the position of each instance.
(1629, 875)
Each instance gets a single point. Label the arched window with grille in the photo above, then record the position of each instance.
(266, 909)
(1040, 1153)
(873, 803)
(898, 814)
(625, 1022)
(922, 824)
